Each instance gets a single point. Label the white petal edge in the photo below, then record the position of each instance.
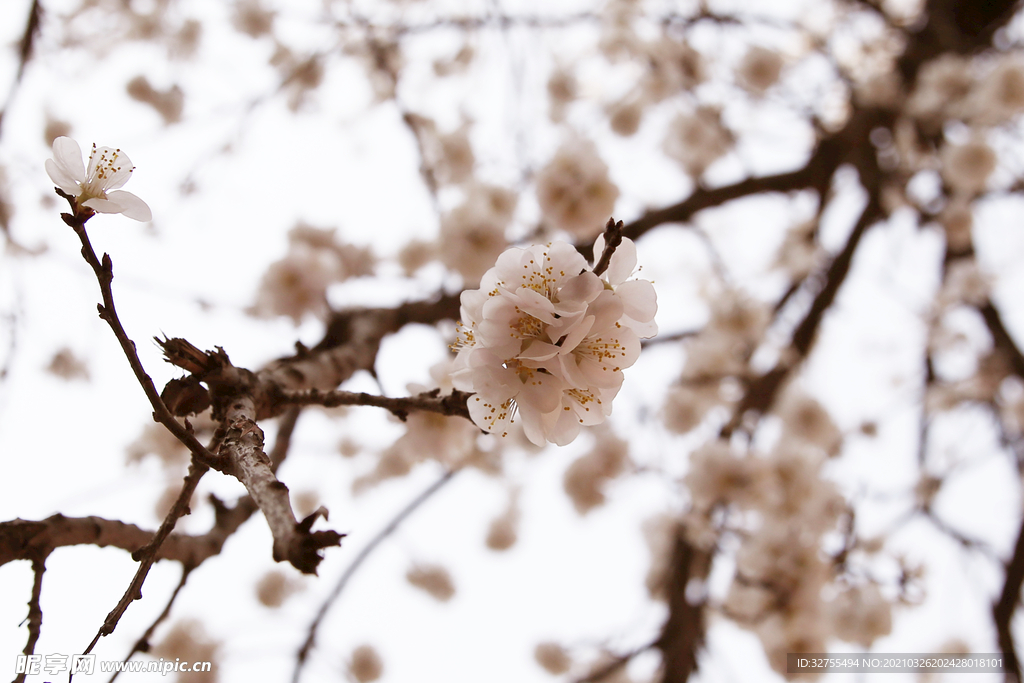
(61, 178)
(68, 156)
(120, 201)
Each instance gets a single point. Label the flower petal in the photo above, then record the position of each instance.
(109, 168)
(639, 298)
(577, 334)
(538, 350)
(533, 425)
(623, 262)
(606, 309)
(120, 201)
(597, 374)
(490, 413)
(582, 288)
(68, 156)
(570, 372)
(540, 391)
(132, 206)
(566, 428)
(643, 330)
(61, 178)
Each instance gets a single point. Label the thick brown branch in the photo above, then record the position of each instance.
(22, 539)
(26, 539)
(1006, 606)
(241, 398)
(243, 449)
(351, 343)
(848, 145)
(706, 198)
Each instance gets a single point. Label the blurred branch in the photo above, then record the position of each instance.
(283, 442)
(954, 26)
(683, 632)
(760, 395)
(1005, 607)
(25, 46)
(303, 653)
(1001, 337)
(848, 145)
(617, 663)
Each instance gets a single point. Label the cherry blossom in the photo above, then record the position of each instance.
(545, 339)
(95, 187)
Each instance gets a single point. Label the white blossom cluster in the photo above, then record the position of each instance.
(546, 339)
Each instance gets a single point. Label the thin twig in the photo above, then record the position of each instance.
(104, 275)
(142, 644)
(432, 401)
(147, 554)
(35, 611)
(612, 240)
(364, 554)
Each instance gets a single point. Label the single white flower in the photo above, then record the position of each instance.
(544, 339)
(95, 187)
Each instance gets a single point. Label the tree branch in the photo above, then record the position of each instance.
(453, 404)
(35, 610)
(243, 448)
(25, 45)
(364, 554)
(104, 275)
(1004, 608)
(146, 556)
(143, 644)
(761, 393)
(683, 632)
